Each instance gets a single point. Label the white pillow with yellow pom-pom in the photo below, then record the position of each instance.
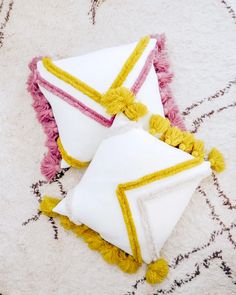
(77, 99)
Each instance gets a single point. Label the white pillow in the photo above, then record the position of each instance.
(134, 158)
(80, 134)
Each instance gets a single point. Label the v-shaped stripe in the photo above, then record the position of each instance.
(124, 203)
(84, 87)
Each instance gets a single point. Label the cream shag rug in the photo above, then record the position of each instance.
(37, 257)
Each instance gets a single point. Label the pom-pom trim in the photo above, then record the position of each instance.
(185, 141)
(157, 271)
(110, 253)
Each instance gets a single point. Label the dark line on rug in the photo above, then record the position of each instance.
(93, 9)
(6, 19)
(61, 188)
(54, 227)
(7, 16)
(37, 194)
(181, 257)
(205, 264)
(216, 217)
(218, 93)
(221, 193)
(60, 174)
(1, 5)
(230, 10)
(34, 218)
(200, 120)
(199, 267)
(212, 208)
(1, 39)
(36, 189)
(37, 185)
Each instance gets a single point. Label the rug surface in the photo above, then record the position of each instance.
(37, 256)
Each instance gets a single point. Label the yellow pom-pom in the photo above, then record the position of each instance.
(152, 131)
(135, 110)
(66, 223)
(173, 136)
(88, 235)
(198, 149)
(47, 204)
(217, 160)
(187, 142)
(127, 263)
(95, 243)
(110, 253)
(79, 230)
(158, 124)
(157, 271)
(116, 100)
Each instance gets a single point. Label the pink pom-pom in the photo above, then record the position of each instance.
(165, 95)
(161, 41)
(164, 79)
(50, 166)
(161, 63)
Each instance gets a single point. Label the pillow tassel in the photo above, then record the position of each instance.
(157, 271)
(187, 144)
(135, 111)
(173, 136)
(121, 99)
(217, 160)
(198, 149)
(127, 263)
(158, 124)
(116, 100)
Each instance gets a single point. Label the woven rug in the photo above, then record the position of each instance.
(37, 256)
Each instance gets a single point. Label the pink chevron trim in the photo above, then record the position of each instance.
(144, 72)
(74, 102)
(50, 164)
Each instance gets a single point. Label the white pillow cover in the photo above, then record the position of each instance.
(79, 133)
(155, 206)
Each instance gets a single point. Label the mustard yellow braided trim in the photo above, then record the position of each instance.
(130, 63)
(120, 192)
(70, 79)
(70, 160)
(85, 88)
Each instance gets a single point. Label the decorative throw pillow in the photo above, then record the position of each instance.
(74, 97)
(124, 191)
(134, 192)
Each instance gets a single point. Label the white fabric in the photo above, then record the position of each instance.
(155, 207)
(80, 135)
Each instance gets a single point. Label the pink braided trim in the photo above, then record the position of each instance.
(144, 72)
(74, 102)
(161, 65)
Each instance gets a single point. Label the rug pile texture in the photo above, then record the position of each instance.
(37, 256)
